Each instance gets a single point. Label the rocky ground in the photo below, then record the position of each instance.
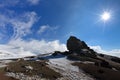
(3, 63)
(68, 71)
(78, 63)
(60, 66)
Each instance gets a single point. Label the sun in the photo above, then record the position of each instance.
(105, 16)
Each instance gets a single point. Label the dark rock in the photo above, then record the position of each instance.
(56, 53)
(100, 71)
(66, 53)
(75, 45)
(97, 63)
(73, 57)
(115, 59)
(105, 64)
(102, 55)
(92, 51)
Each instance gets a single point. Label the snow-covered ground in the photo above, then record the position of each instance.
(58, 63)
(4, 62)
(69, 72)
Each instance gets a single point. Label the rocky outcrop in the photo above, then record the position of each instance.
(75, 45)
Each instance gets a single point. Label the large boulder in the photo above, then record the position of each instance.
(75, 45)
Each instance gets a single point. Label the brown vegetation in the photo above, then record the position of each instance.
(3, 77)
(100, 73)
(39, 68)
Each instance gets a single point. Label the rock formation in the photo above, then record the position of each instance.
(75, 45)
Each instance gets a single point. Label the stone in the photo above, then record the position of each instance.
(75, 45)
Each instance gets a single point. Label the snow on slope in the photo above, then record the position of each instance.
(68, 71)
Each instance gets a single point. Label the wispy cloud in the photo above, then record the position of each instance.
(21, 23)
(22, 26)
(20, 3)
(114, 52)
(7, 3)
(43, 29)
(34, 2)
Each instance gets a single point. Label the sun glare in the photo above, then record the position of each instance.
(105, 16)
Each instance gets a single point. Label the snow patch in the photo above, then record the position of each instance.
(64, 63)
(69, 72)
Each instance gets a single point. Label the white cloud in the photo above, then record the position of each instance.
(21, 48)
(7, 3)
(21, 23)
(19, 3)
(22, 27)
(114, 52)
(47, 28)
(36, 46)
(8, 51)
(33, 2)
(43, 29)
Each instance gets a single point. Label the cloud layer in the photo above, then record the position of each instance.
(114, 52)
(38, 47)
(22, 48)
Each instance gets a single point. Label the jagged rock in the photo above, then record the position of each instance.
(56, 53)
(105, 64)
(75, 45)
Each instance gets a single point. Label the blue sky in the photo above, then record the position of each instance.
(52, 20)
